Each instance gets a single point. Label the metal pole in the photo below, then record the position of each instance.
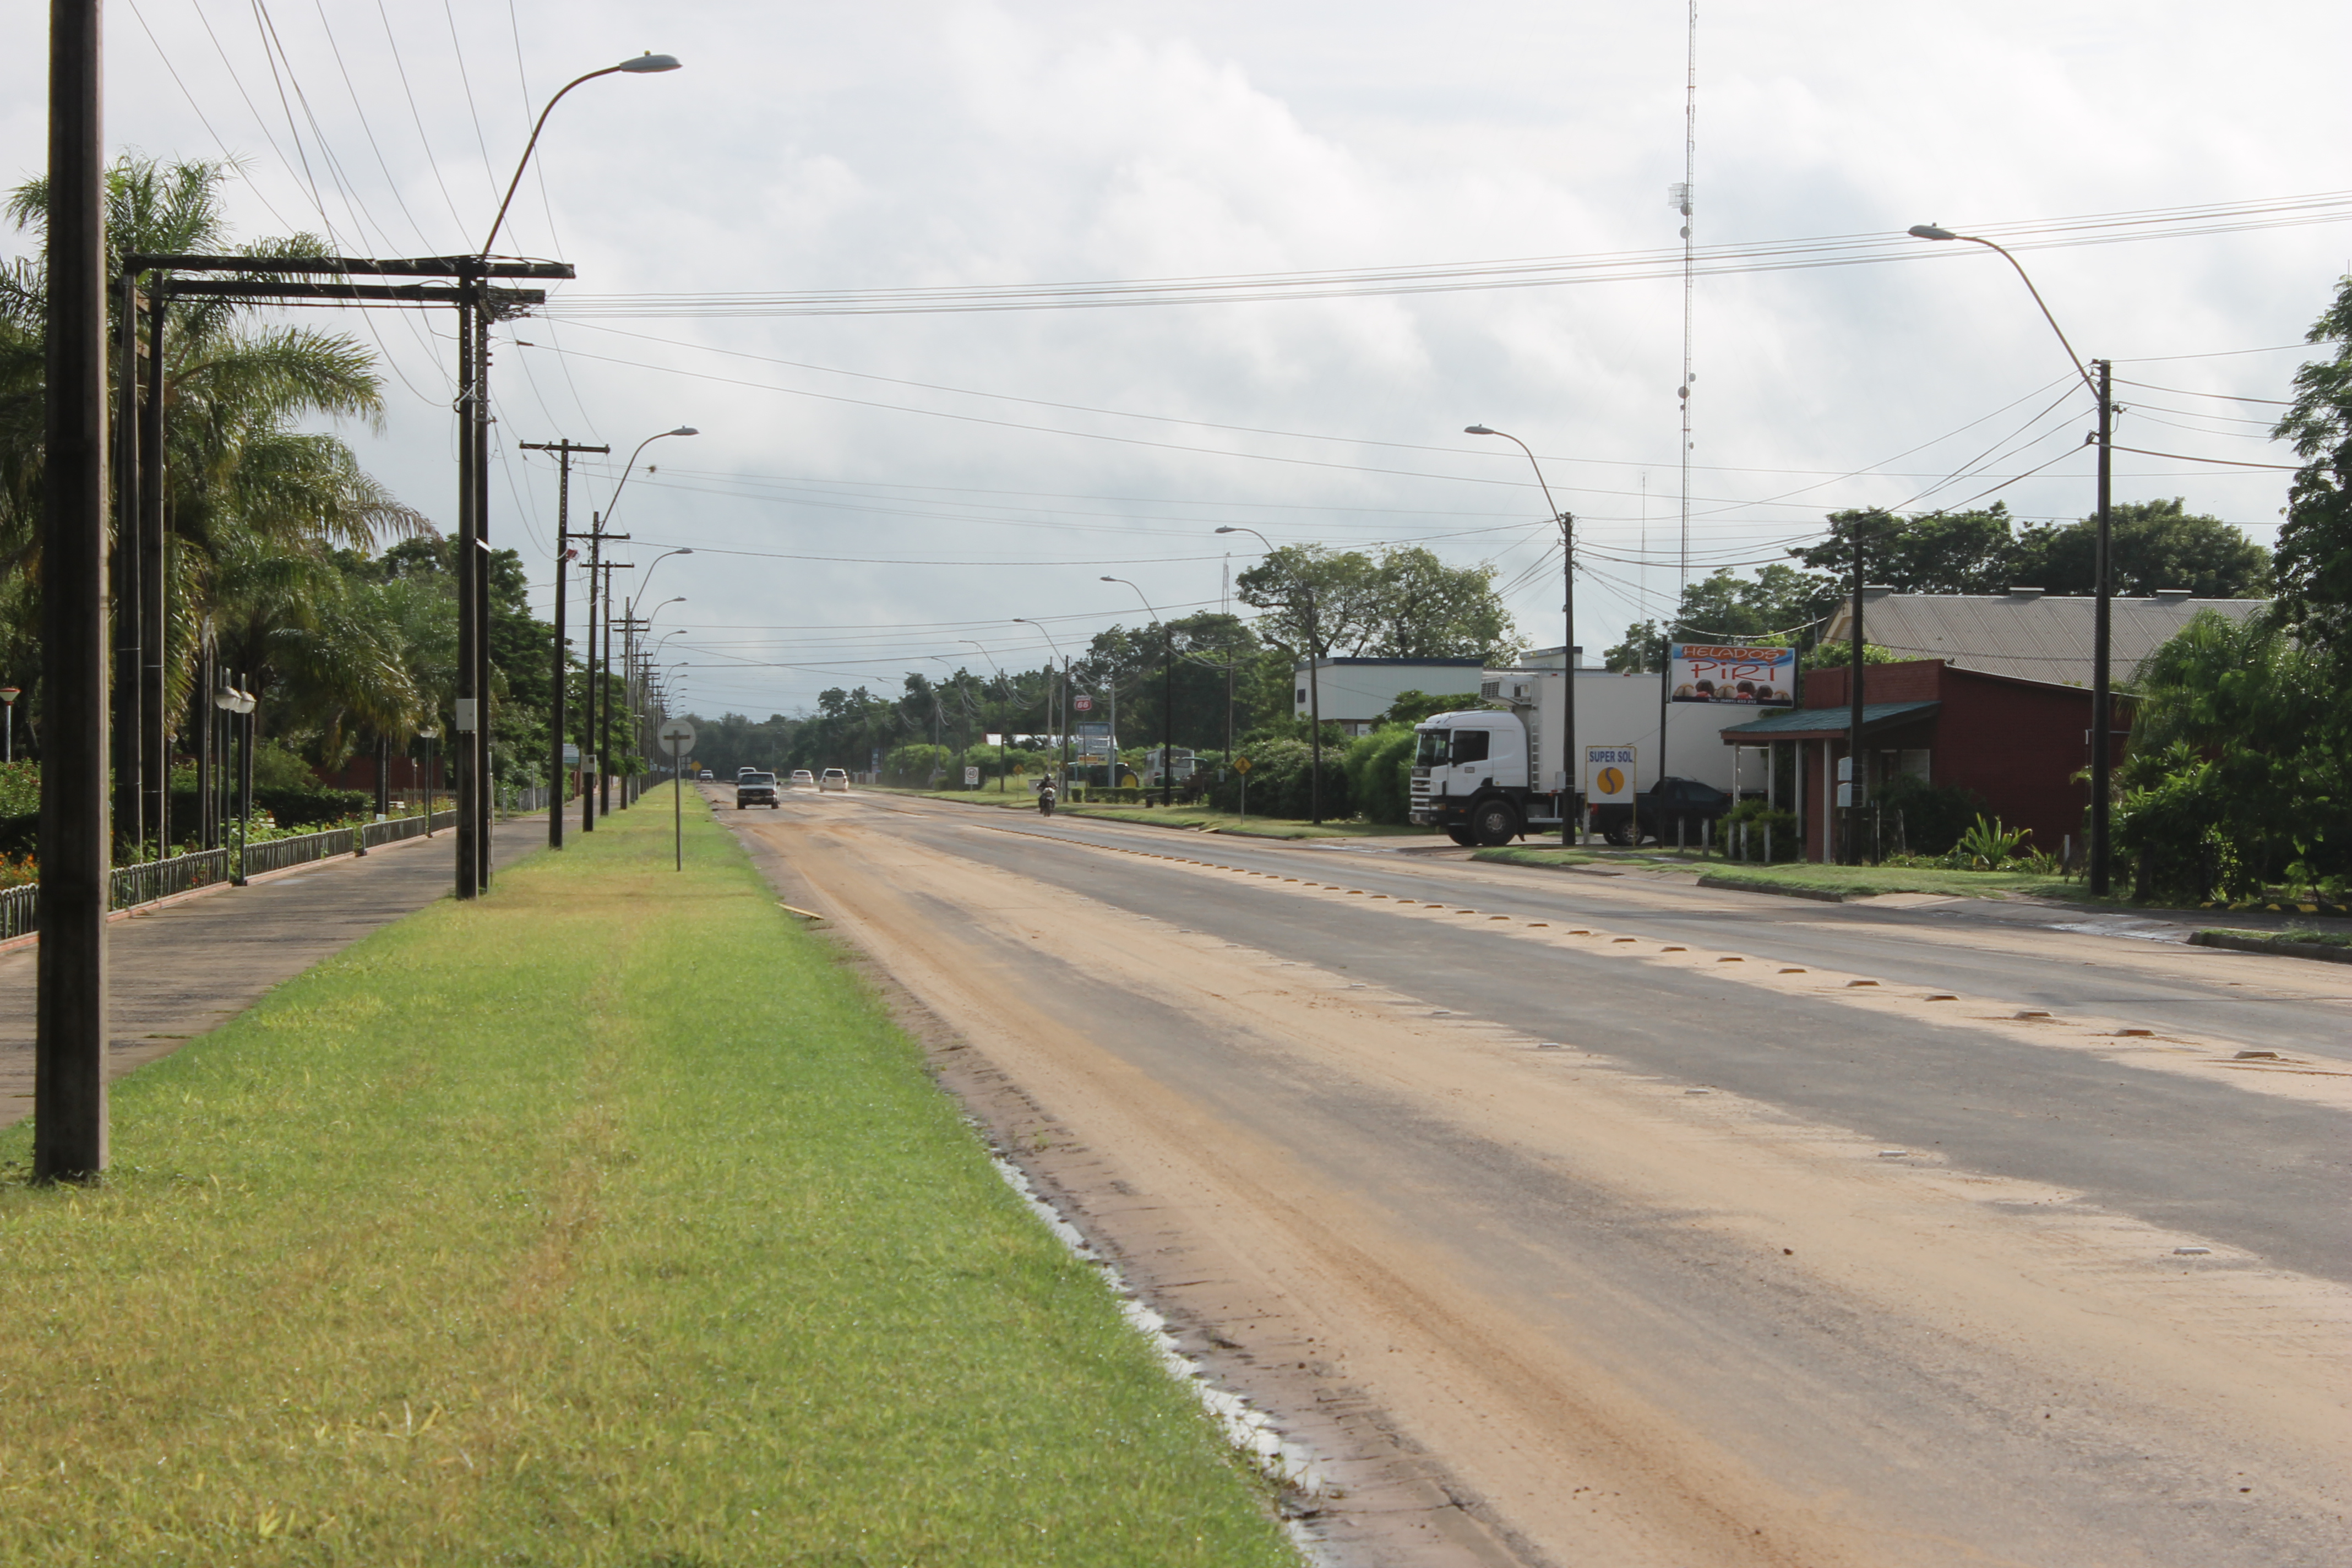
(1168, 723)
(605, 712)
(69, 1127)
(678, 807)
(2103, 590)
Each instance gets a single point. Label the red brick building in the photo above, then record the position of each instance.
(2017, 743)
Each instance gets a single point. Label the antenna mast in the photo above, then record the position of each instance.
(1683, 203)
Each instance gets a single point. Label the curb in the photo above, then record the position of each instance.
(1819, 895)
(2274, 945)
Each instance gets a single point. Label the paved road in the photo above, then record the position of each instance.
(187, 968)
(1982, 1346)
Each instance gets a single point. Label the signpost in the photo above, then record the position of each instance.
(676, 737)
(1609, 775)
(8, 695)
(1083, 703)
(1242, 766)
(971, 776)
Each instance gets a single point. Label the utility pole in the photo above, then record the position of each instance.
(69, 1127)
(563, 553)
(155, 754)
(1168, 720)
(605, 687)
(1854, 753)
(1315, 710)
(465, 749)
(127, 666)
(2102, 588)
(1571, 820)
(484, 780)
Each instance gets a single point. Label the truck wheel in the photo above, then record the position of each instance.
(1464, 837)
(1623, 835)
(1494, 823)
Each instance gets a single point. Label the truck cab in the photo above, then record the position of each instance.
(1470, 776)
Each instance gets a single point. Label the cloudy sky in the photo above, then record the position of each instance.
(784, 244)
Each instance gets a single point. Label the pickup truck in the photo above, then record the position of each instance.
(1669, 806)
(756, 789)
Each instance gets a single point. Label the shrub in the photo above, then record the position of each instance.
(1380, 774)
(1757, 815)
(1933, 816)
(1280, 781)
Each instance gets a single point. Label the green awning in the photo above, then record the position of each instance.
(1811, 723)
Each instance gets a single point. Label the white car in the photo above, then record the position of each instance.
(834, 779)
(803, 779)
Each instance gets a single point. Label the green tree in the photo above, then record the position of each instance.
(1406, 604)
(2151, 544)
(1940, 552)
(2314, 546)
(1725, 607)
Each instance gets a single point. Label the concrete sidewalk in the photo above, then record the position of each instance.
(185, 968)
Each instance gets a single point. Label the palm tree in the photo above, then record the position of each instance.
(253, 506)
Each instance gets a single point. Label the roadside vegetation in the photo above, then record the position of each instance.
(605, 1221)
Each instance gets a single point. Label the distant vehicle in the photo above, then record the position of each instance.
(705, 772)
(745, 772)
(756, 789)
(834, 779)
(1672, 806)
(803, 778)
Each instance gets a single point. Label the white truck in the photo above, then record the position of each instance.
(1487, 775)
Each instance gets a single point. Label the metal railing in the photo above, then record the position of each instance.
(20, 910)
(149, 880)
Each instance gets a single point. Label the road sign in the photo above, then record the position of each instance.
(676, 738)
(1242, 764)
(1084, 704)
(972, 778)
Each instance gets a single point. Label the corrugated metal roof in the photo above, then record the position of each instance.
(2030, 638)
(1826, 721)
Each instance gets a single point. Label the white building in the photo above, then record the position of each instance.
(1355, 692)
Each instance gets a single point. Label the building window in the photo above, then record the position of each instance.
(1302, 694)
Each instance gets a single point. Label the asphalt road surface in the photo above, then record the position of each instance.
(1576, 1219)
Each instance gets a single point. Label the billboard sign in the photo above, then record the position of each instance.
(1609, 772)
(1748, 677)
(1094, 742)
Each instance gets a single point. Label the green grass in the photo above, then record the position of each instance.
(605, 1221)
(1864, 881)
(2298, 934)
(1524, 855)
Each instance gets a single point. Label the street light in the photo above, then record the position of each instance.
(644, 65)
(1314, 690)
(1065, 727)
(476, 310)
(1003, 736)
(2102, 715)
(8, 695)
(1167, 700)
(240, 704)
(1571, 809)
(595, 732)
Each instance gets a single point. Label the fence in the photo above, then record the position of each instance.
(149, 880)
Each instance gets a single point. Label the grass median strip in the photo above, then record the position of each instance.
(605, 1221)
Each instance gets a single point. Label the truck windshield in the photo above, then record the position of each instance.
(1429, 752)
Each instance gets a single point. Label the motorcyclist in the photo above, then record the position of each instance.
(1046, 797)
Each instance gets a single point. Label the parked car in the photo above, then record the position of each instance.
(756, 789)
(834, 779)
(1671, 806)
(803, 779)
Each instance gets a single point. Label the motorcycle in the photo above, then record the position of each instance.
(1045, 801)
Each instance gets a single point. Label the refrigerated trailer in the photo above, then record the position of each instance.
(1488, 775)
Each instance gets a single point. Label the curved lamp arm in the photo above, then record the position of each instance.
(643, 65)
(1930, 231)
